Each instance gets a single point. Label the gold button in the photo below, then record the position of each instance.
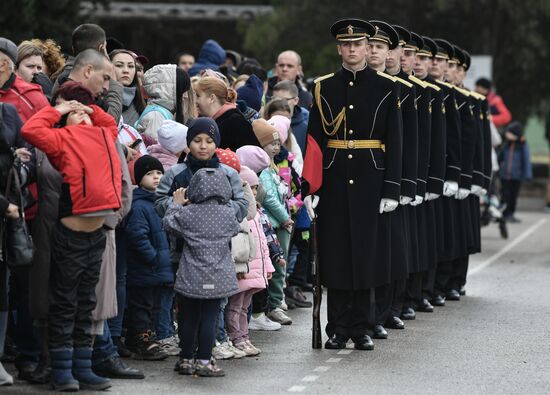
(351, 83)
(350, 106)
(350, 156)
(350, 131)
(351, 182)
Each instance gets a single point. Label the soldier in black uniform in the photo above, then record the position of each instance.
(457, 211)
(381, 44)
(429, 223)
(409, 178)
(412, 298)
(355, 146)
(448, 208)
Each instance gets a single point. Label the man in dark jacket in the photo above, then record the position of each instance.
(289, 68)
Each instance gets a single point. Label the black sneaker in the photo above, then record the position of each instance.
(121, 347)
(143, 347)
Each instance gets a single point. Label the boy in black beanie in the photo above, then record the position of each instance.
(149, 266)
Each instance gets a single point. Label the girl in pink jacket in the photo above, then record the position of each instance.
(260, 269)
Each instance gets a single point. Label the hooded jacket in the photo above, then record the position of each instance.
(167, 158)
(260, 264)
(148, 252)
(206, 269)
(85, 155)
(160, 85)
(211, 56)
(27, 98)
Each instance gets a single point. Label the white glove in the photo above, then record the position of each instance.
(387, 205)
(417, 201)
(462, 193)
(450, 188)
(404, 200)
(431, 196)
(478, 190)
(310, 203)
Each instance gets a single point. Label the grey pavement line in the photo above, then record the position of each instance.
(507, 247)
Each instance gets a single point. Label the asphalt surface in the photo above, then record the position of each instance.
(494, 341)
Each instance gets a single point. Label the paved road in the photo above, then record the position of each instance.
(496, 340)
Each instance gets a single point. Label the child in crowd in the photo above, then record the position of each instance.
(79, 141)
(172, 142)
(275, 206)
(148, 256)
(256, 159)
(260, 270)
(290, 169)
(515, 167)
(201, 215)
(242, 249)
(202, 139)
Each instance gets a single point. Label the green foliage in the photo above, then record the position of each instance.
(24, 19)
(514, 33)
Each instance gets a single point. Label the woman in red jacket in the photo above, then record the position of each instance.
(79, 141)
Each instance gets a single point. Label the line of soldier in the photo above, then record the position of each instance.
(399, 152)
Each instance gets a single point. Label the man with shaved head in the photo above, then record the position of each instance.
(289, 68)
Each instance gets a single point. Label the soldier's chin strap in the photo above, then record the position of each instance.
(336, 122)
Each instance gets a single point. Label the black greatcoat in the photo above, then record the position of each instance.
(449, 208)
(354, 239)
(436, 173)
(477, 176)
(404, 223)
(469, 138)
(419, 214)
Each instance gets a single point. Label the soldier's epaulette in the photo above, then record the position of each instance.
(418, 81)
(382, 74)
(406, 83)
(446, 84)
(477, 95)
(465, 92)
(433, 86)
(323, 77)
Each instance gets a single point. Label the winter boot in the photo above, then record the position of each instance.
(62, 378)
(144, 347)
(82, 371)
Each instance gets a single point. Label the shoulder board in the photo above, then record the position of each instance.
(382, 74)
(406, 83)
(418, 81)
(446, 84)
(465, 92)
(323, 77)
(478, 96)
(433, 86)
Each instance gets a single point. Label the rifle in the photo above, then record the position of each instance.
(317, 289)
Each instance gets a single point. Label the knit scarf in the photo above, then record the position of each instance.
(227, 106)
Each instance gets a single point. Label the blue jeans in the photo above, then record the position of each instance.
(104, 348)
(164, 320)
(221, 336)
(115, 323)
